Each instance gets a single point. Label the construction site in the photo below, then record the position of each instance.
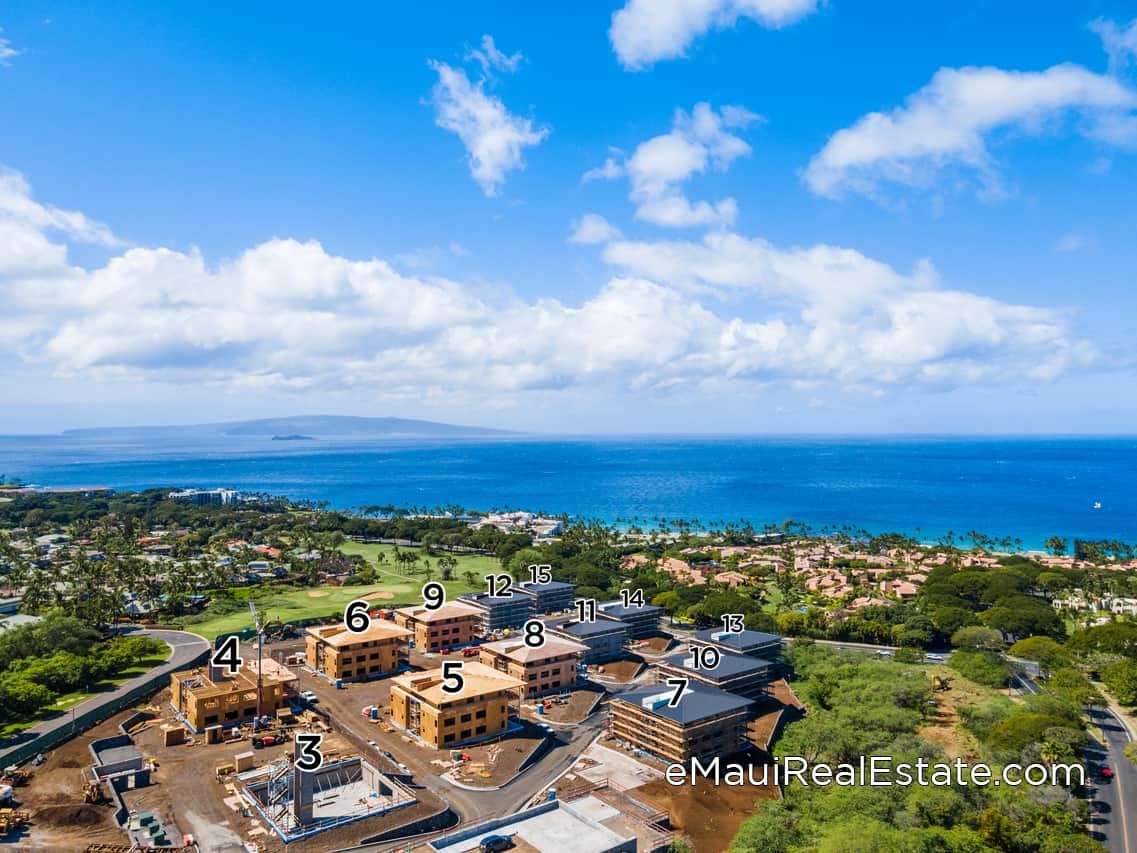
(178, 787)
(298, 804)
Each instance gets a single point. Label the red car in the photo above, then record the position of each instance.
(1106, 771)
(470, 652)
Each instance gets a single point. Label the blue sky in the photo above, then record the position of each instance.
(838, 217)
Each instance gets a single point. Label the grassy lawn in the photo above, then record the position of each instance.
(479, 565)
(290, 605)
(69, 700)
(295, 604)
(774, 598)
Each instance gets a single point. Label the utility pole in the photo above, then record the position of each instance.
(260, 676)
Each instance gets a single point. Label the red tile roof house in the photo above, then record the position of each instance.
(732, 579)
(681, 571)
(901, 589)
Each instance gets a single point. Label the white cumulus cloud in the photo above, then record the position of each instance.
(698, 141)
(495, 139)
(728, 313)
(18, 206)
(948, 124)
(646, 31)
(593, 228)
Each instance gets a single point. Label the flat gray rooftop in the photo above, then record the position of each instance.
(564, 829)
(115, 754)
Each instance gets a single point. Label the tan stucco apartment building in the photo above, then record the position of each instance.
(442, 720)
(342, 654)
(552, 666)
(453, 624)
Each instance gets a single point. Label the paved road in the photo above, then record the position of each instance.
(185, 647)
(1115, 799)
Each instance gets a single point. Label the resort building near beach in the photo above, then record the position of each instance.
(640, 621)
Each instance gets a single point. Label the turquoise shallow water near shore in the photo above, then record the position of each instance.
(1029, 488)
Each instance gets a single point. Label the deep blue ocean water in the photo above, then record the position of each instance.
(1029, 488)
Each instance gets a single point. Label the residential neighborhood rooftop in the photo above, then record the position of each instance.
(518, 650)
(449, 610)
(742, 640)
(478, 679)
(729, 665)
(588, 629)
(339, 635)
(699, 702)
(617, 610)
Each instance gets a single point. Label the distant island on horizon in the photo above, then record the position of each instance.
(302, 427)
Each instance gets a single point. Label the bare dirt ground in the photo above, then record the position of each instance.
(60, 819)
(581, 702)
(622, 670)
(761, 728)
(184, 791)
(781, 691)
(659, 644)
(943, 727)
(494, 764)
(710, 816)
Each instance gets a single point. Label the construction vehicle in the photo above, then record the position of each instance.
(13, 820)
(940, 684)
(16, 777)
(94, 794)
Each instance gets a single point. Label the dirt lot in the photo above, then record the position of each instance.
(710, 816)
(943, 727)
(781, 691)
(495, 763)
(658, 644)
(60, 819)
(580, 705)
(621, 670)
(184, 791)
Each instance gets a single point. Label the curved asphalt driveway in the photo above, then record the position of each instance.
(186, 648)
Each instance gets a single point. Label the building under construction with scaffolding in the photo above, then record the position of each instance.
(206, 697)
(298, 804)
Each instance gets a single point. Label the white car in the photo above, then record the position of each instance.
(309, 697)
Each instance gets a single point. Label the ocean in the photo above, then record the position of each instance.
(1029, 488)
